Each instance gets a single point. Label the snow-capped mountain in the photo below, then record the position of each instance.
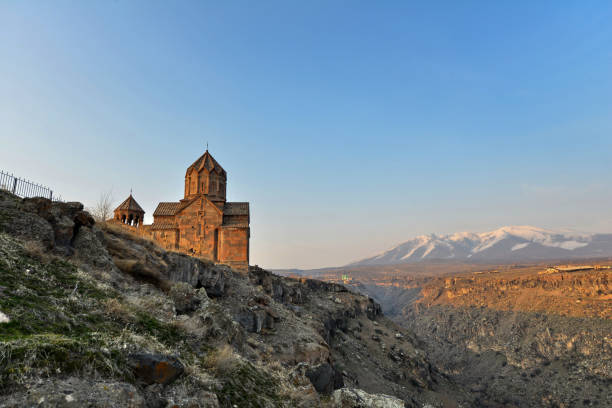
(512, 243)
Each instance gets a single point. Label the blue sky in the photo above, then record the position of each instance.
(350, 126)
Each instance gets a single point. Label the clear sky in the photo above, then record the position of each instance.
(350, 126)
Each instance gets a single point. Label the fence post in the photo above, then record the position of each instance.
(14, 185)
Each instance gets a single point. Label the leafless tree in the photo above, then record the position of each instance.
(103, 208)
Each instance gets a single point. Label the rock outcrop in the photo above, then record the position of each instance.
(325, 378)
(356, 398)
(155, 368)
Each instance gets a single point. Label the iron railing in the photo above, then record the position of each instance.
(24, 188)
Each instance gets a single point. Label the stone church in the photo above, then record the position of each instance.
(203, 223)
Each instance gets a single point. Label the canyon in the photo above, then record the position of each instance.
(513, 335)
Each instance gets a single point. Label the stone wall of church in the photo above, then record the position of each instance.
(235, 219)
(234, 247)
(166, 238)
(197, 225)
(200, 233)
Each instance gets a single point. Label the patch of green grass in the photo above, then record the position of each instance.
(59, 322)
(248, 387)
(47, 355)
(166, 333)
(46, 298)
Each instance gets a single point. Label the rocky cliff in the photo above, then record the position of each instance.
(514, 339)
(577, 294)
(516, 359)
(93, 316)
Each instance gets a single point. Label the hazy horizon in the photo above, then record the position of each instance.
(349, 127)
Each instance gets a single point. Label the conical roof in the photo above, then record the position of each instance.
(129, 204)
(205, 161)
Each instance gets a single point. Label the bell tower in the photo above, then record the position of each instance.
(129, 212)
(206, 177)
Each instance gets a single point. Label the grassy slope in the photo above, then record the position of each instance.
(63, 322)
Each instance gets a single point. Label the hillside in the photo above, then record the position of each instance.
(506, 244)
(93, 316)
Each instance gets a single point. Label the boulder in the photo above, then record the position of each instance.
(155, 368)
(255, 320)
(23, 224)
(84, 219)
(63, 229)
(197, 273)
(325, 378)
(4, 318)
(54, 224)
(89, 248)
(356, 398)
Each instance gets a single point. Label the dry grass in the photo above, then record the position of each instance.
(141, 272)
(38, 251)
(130, 253)
(123, 232)
(223, 360)
(116, 310)
(275, 365)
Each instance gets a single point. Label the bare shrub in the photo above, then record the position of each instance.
(103, 208)
(116, 310)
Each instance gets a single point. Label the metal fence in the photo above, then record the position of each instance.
(24, 188)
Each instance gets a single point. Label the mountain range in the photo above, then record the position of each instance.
(509, 244)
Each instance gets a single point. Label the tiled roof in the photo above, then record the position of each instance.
(205, 160)
(167, 208)
(163, 226)
(236, 209)
(235, 225)
(185, 203)
(130, 204)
